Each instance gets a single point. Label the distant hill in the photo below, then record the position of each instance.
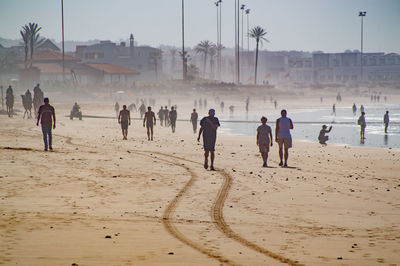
(9, 42)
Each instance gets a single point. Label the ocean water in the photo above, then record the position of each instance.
(308, 123)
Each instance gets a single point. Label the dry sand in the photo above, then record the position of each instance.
(334, 205)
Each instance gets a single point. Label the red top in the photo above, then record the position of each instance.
(46, 111)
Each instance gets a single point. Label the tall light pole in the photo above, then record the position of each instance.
(248, 41)
(183, 43)
(62, 25)
(237, 38)
(362, 15)
(242, 8)
(220, 41)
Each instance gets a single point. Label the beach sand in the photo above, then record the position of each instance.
(99, 200)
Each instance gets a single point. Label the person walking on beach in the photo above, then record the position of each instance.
(116, 108)
(354, 109)
(264, 139)
(193, 118)
(222, 106)
(322, 138)
(148, 121)
(166, 117)
(361, 122)
(209, 126)
(142, 110)
(283, 137)
(161, 115)
(172, 117)
(334, 109)
(47, 117)
(124, 119)
(386, 120)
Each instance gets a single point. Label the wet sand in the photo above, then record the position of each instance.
(157, 205)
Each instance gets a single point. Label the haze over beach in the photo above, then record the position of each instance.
(199, 132)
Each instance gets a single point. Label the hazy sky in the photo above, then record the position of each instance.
(308, 25)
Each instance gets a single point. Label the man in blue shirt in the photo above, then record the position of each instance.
(283, 137)
(209, 126)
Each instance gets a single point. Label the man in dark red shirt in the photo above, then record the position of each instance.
(47, 117)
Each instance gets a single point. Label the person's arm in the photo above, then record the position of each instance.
(154, 119)
(329, 130)
(291, 123)
(200, 131)
(270, 136)
(276, 130)
(129, 117)
(119, 118)
(54, 119)
(144, 120)
(257, 137)
(38, 117)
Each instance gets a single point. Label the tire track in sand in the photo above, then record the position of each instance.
(217, 212)
(167, 215)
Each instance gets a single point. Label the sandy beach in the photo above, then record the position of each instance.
(100, 200)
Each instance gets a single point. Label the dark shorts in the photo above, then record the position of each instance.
(173, 122)
(264, 147)
(149, 124)
(209, 144)
(124, 124)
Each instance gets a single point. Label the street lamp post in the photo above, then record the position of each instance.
(362, 15)
(184, 67)
(62, 25)
(220, 41)
(248, 41)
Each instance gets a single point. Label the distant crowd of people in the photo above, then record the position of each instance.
(45, 115)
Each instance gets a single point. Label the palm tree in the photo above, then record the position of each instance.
(204, 48)
(193, 72)
(34, 35)
(25, 34)
(258, 34)
(212, 53)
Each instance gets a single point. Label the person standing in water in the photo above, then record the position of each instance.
(264, 139)
(354, 109)
(47, 118)
(283, 136)
(149, 121)
(386, 120)
(209, 126)
(172, 117)
(193, 118)
(124, 119)
(334, 109)
(361, 122)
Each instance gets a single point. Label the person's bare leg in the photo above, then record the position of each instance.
(212, 160)
(148, 133)
(151, 128)
(206, 159)
(280, 155)
(286, 156)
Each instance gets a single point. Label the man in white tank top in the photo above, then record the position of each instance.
(283, 137)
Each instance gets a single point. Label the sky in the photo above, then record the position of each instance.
(303, 25)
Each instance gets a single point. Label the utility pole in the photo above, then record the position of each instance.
(62, 25)
(184, 69)
(248, 42)
(220, 41)
(238, 43)
(362, 15)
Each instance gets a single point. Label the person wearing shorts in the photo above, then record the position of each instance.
(264, 139)
(47, 118)
(283, 136)
(124, 119)
(209, 126)
(193, 118)
(148, 121)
